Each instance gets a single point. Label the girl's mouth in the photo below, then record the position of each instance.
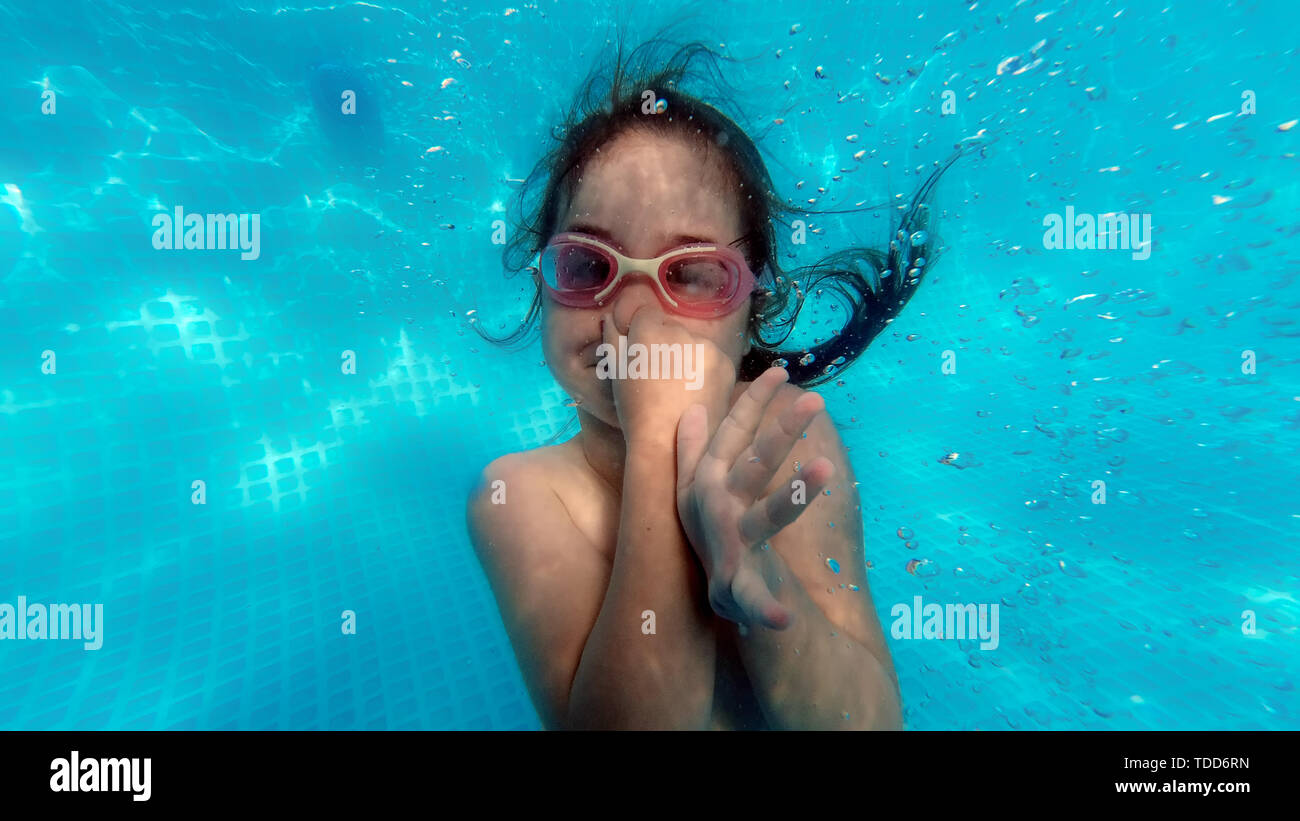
(588, 354)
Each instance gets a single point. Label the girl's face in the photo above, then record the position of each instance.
(643, 194)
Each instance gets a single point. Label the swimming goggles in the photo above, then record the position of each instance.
(700, 280)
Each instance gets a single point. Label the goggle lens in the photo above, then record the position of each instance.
(575, 268)
(701, 279)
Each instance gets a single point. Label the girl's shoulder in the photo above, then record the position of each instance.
(529, 469)
(548, 490)
(545, 477)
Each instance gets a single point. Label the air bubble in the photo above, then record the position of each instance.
(923, 568)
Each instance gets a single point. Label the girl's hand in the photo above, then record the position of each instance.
(649, 409)
(718, 485)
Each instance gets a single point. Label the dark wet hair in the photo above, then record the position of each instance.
(873, 284)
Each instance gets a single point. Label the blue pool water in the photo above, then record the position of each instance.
(328, 492)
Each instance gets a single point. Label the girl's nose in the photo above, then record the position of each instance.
(637, 293)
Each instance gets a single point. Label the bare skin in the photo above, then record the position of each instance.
(680, 502)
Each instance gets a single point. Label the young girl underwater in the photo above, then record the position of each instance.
(691, 558)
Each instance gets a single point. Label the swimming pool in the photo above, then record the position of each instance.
(329, 491)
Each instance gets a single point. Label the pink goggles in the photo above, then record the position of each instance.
(701, 280)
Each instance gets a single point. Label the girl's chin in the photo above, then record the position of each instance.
(597, 400)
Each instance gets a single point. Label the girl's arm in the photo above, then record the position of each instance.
(628, 679)
(831, 668)
(575, 621)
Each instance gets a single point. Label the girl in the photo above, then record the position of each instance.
(690, 558)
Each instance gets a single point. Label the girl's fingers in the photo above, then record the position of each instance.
(771, 514)
(723, 602)
(761, 460)
(737, 430)
(756, 602)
